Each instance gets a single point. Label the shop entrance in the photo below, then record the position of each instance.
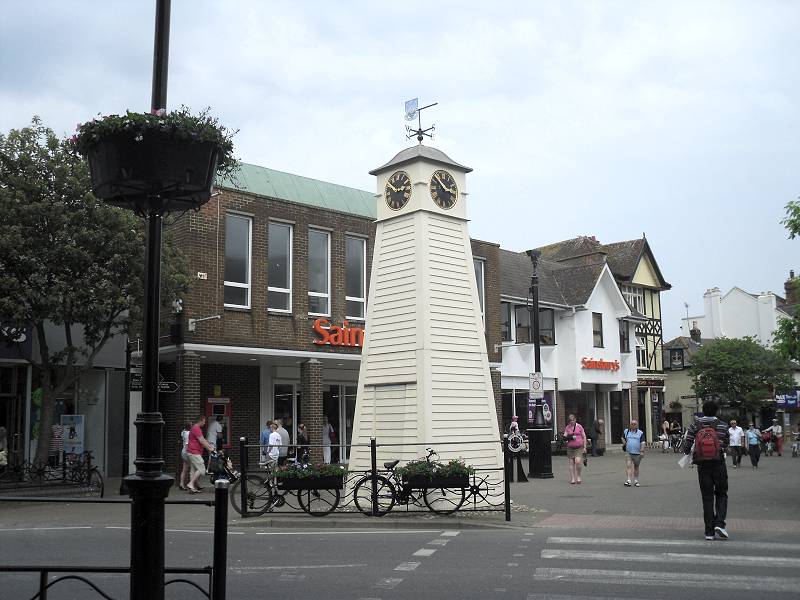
(616, 415)
(339, 405)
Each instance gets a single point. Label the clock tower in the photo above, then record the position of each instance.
(424, 378)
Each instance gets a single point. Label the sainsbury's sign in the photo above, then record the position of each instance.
(333, 335)
(603, 365)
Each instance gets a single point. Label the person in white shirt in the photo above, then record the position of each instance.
(327, 430)
(274, 445)
(736, 436)
(213, 431)
(777, 433)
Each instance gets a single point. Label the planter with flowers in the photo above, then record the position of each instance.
(163, 159)
(310, 477)
(424, 474)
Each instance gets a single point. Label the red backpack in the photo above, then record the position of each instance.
(706, 443)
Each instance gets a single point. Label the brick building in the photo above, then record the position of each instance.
(273, 325)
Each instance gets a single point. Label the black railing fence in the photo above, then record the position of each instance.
(374, 491)
(215, 574)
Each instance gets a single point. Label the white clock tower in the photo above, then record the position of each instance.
(424, 370)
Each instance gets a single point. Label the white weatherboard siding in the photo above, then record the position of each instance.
(424, 372)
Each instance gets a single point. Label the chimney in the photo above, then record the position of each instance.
(791, 289)
(712, 300)
(694, 333)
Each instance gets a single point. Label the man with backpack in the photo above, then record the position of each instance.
(707, 440)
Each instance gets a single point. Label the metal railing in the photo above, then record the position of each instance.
(258, 492)
(216, 573)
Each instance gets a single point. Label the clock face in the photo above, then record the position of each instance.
(398, 190)
(444, 190)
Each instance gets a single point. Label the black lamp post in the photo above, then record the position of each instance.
(540, 460)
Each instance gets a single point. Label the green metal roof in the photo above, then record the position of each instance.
(303, 190)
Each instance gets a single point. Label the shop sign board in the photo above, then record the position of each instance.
(333, 335)
(72, 426)
(603, 365)
(786, 400)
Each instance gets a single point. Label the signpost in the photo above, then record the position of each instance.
(164, 387)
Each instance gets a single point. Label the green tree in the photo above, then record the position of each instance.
(792, 220)
(740, 372)
(71, 267)
(786, 337)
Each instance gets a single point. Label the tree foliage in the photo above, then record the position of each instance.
(67, 261)
(740, 372)
(786, 337)
(792, 220)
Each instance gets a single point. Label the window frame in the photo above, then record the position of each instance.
(326, 295)
(481, 285)
(516, 326)
(235, 284)
(347, 298)
(624, 337)
(634, 296)
(507, 306)
(641, 347)
(289, 269)
(597, 332)
(550, 329)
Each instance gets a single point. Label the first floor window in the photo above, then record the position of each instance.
(505, 321)
(624, 337)
(238, 230)
(355, 277)
(547, 327)
(641, 352)
(279, 271)
(319, 274)
(479, 277)
(522, 325)
(597, 330)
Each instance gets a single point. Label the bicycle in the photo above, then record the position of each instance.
(81, 471)
(391, 490)
(264, 494)
(769, 443)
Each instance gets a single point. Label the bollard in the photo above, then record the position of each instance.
(373, 456)
(218, 581)
(243, 467)
(506, 478)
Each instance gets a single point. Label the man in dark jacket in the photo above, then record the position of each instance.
(711, 471)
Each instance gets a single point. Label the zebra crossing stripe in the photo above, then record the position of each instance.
(674, 558)
(771, 546)
(668, 579)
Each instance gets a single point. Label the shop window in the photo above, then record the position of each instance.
(597, 329)
(238, 232)
(547, 327)
(279, 271)
(478, 264)
(319, 274)
(505, 321)
(355, 277)
(624, 337)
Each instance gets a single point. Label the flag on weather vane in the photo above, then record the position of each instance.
(411, 109)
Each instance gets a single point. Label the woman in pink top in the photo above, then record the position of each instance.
(576, 448)
(194, 451)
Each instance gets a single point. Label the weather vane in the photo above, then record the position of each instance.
(411, 112)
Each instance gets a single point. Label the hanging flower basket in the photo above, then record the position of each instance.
(162, 160)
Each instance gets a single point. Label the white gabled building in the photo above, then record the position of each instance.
(586, 341)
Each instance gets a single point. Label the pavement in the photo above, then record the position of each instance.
(669, 498)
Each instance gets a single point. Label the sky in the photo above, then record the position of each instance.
(677, 120)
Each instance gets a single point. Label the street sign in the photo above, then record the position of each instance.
(167, 387)
(164, 387)
(536, 381)
(136, 382)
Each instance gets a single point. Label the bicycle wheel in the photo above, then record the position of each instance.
(362, 495)
(95, 487)
(443, 501)
(318, 503)
(259, 495)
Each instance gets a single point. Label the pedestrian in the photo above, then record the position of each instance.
(752, 439)
(213, 432)
(3, 447)
(283, 452)
(709, 437)
(634, 451)
(302, 444)
(514, 425)
(186, 466)
(591, 436)
(263, 441)
(274, 444)
(777, 434)
(328, 435)
(664, 437)
(736, 437)
(575, 437)
(194, 450)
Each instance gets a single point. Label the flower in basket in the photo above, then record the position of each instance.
(179, 124)
(294, 471)
(429, 469)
